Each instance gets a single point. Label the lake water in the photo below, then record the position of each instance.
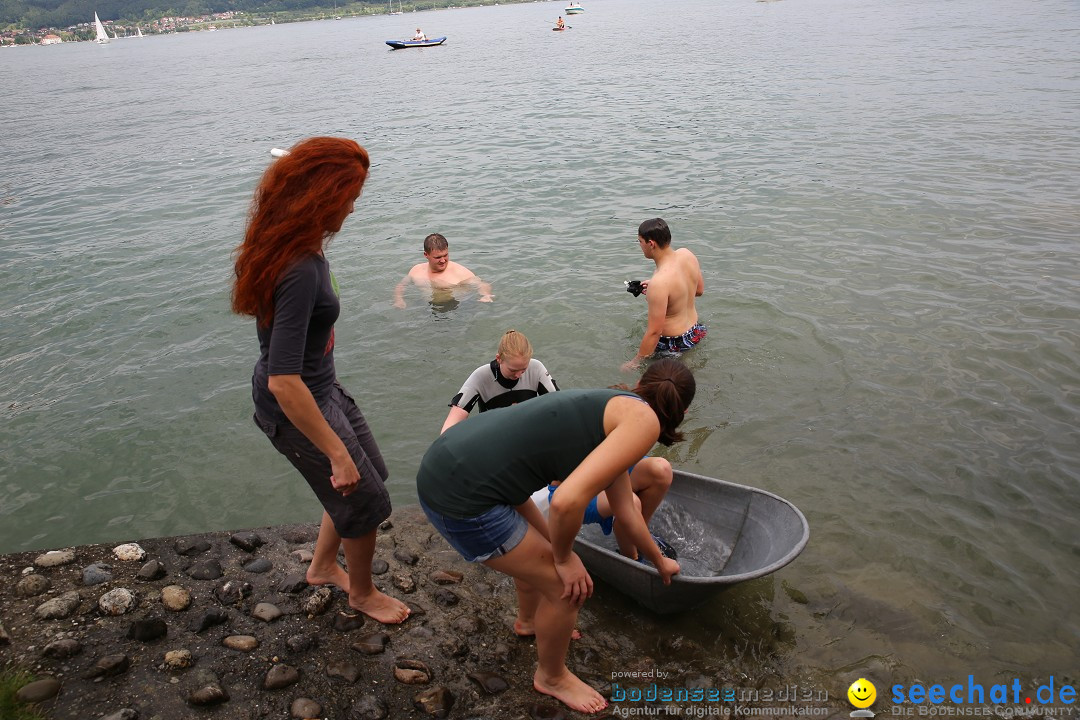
(885, 198)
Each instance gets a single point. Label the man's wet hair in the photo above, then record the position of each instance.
(656, 230)
(435, 241)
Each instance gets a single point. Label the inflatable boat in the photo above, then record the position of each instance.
(401, 44)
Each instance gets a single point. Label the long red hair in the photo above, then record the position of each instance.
(301, 201)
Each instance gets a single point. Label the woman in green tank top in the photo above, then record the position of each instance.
(476, 479)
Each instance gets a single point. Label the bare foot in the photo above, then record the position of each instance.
(380, 606)
(337, 576)
(526, 630)
(572, 691)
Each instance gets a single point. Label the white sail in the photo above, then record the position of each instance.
(138, 31)
(102, 36)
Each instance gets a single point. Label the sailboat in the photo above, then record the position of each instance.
(138, 31)
(102, 36)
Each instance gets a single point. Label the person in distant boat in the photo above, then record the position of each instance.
(419, 36)
(283, 280)
(673, 325)
(559, 24)
(439, 272)
(474, 484)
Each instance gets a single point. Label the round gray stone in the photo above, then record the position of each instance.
(212, 694)
(129, 552)
(179, 659)
(280, 676)
(302, 556)
(55, 558)
(32, 585)
(243, 643)
(96, 574)
(152, 570)
(117, 602)
(205, 569)
(344, 670)
(62, 648)
(259, 566)
(191, 546)
(175, 597)
(266, 612)
(39, 690)
(305, 708)
(109, 666)
(58, 607)
(248, 541)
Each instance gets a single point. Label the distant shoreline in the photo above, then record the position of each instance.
(20, 36)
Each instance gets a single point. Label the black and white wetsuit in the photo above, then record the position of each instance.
(490, 389)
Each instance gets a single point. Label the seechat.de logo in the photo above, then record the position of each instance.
(862, 695)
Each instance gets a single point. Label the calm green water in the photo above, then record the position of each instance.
(884, 198)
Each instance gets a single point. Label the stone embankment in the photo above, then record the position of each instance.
(224, 625)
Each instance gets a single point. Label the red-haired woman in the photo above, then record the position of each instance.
(285, 283)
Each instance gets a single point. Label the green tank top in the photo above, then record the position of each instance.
(503, 456)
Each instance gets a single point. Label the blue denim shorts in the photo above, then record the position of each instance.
(495, 533)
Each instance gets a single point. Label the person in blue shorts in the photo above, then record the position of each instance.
(475, 481)
(673, 320)
(515, 376)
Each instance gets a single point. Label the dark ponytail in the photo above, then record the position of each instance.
(668, 386)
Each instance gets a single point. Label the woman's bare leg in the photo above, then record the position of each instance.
(532, 562)
(626, 546)
(363, 595)
(324, 568)
(528, 601)
(650, 481)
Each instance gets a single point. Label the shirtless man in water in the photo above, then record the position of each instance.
(439, 272)
(673, 320)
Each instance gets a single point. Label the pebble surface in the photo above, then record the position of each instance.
(270, 646)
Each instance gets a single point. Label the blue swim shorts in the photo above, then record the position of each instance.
(592, 513)
(681, 343)
(486, 536)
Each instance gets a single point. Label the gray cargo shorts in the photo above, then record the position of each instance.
(362, 510)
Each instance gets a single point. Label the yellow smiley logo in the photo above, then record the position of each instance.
(862, 693)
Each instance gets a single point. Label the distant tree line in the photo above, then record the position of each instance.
(30, 14)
